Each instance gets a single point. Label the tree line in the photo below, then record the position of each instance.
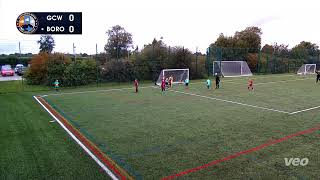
(122, 61)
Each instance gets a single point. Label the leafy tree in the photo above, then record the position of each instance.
(119, 42)
(37, 73)
(267, 49)
(156, 54)
(115, 70)
(46, 43)
(280, 50)
(57, 63)
(304, 50)
(182, 58)
(249, 38)
(224, 41)
(238, 46)
(80, 72)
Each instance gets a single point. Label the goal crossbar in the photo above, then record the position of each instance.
(226, 69)
(178, 75)
(307, 69)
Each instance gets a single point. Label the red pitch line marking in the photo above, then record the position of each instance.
(188, 171)
(84, 140)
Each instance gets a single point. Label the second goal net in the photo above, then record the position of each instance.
(178, 75)
(307, 69)
(231, 68)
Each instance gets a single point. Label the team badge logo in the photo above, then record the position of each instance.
(27, 23)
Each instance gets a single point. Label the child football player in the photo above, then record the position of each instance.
(250, 85)
(170, 81)
(318, 76)
(208, 83)
(56, 85)
(217, 81)
(186, 83)
(163, 85)
(136, 85)
(167, 82)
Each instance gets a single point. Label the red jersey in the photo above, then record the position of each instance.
(163, 83)
(250, 82)
(136, 83)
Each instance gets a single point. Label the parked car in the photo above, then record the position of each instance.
(21, 70)
(7, 71)
(7, 65)
(17, 66)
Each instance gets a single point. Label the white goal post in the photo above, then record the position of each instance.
(179, 75)
(307, 69)
(231, 68)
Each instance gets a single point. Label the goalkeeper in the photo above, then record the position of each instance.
(217, 81)
(318, 76)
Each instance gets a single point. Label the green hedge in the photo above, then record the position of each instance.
(13, 60)
(45, 69)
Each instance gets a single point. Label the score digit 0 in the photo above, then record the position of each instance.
(71, 29)
(71, 17)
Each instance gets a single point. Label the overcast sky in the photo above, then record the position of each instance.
(188, 23)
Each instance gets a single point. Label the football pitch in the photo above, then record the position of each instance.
(197, 133)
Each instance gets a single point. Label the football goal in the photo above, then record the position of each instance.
(179, 75)
(231, 68)
(307, 69)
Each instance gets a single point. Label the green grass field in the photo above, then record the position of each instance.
(154, 135)
(31, 146)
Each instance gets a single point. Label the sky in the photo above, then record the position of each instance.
(188, 23)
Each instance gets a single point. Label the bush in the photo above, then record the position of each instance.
(45, 69)
(38, 71)
(14, 59)
(80, 72)
(118, 70)
(57, 64)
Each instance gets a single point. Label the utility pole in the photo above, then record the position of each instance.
(19, 48)
(74, 51)
(197, 61)
(96, 49)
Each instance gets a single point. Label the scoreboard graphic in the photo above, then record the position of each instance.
(50, 23)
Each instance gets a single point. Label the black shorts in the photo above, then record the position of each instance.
(187, 84)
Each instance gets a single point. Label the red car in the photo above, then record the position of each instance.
(7, 71)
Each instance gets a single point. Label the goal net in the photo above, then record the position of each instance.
(231, 68)
(179, 75)
(307, 69)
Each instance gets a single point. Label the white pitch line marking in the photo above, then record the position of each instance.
(232, 102)
(80, 143)
(304, 110)
(81, 92)
(236, 82)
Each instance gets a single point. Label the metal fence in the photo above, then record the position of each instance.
(261, 62)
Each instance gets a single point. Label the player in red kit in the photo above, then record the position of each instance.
(163, 85)
(136, 85)
(250, 85)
